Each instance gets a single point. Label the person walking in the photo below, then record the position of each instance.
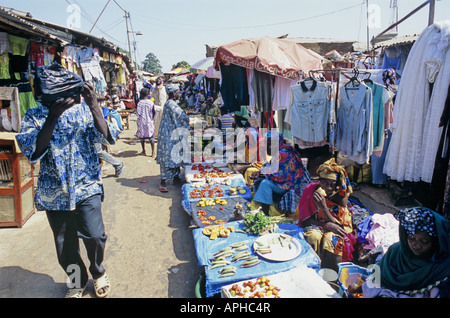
(104, 155)
(160, 95)
(145, 112)
(172, 121)
(62, 136)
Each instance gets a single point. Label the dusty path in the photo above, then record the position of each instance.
(150, 249)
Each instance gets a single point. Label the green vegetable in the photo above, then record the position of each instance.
(258, 222)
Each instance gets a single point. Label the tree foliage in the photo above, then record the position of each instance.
(182, 64)
(151, 64)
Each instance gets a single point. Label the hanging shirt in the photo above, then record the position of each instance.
(234, 87)
(4, 66)
(354, 135)
(309, 111)
(89, 62)
(5, 46)
(380, 97)
(70, 170)
(281, 93)
(263, 88)
(18, 45)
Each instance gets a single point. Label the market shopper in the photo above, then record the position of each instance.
(419, 264)
(324, 215)
(145, 112)
(281, 172)
(159, 95)
(62, 136)
(104, 155)
(173, 119)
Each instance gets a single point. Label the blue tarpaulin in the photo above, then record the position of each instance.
(187, 188)
(206, 248)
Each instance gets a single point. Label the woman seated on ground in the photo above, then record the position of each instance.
(212, 113)
(324, 216)
(288, 173)
(419, 264)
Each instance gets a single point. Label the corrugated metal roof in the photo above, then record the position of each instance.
(24, 21)
(398, 40)
(9, 17)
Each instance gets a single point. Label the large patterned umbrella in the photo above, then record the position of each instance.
(201, 66)
(279, 57)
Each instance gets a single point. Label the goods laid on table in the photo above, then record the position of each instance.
(258, 223)
(210, 204)
(208, 173)
(230, 258)
(215, 231)
(277, 247)
(260, 287)
(216, 211)
(235, 258)
(298, 282)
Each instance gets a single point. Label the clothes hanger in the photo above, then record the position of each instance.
(354, 80)
(368, 80)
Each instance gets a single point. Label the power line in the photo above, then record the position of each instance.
(87, 17)
(100, 15)
(212, 28)
(120, 6)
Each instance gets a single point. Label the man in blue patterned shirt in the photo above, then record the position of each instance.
(62, 137)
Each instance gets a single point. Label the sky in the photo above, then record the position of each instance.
(178, 30)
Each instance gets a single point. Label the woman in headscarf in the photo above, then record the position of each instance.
(419, 264)
(323, 213)
(283, 171)
(174, 123)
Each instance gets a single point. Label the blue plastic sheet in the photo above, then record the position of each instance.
(187, 188)
(206, 248)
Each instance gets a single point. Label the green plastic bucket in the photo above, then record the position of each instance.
(200, 288)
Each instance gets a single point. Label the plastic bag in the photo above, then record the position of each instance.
(54, 82)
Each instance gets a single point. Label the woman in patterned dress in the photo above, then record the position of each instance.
(324, 216)
(173, 131)
(145, 112)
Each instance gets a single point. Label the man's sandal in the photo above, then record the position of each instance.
(102, 283)
(75, 292)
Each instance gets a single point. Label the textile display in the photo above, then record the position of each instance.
(354, 128)
(415, 130)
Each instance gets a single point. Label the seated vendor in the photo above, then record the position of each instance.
(419, 264)
(324, 216)
(212, 113)
(287, 176)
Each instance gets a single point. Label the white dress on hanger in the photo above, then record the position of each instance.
(405, 157)
(432, 131)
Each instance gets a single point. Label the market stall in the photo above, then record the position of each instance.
(299, 254)
(299, 282)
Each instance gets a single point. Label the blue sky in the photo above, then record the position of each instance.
(176, 30)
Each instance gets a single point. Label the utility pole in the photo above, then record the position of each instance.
(127, 16)
(367, 27)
